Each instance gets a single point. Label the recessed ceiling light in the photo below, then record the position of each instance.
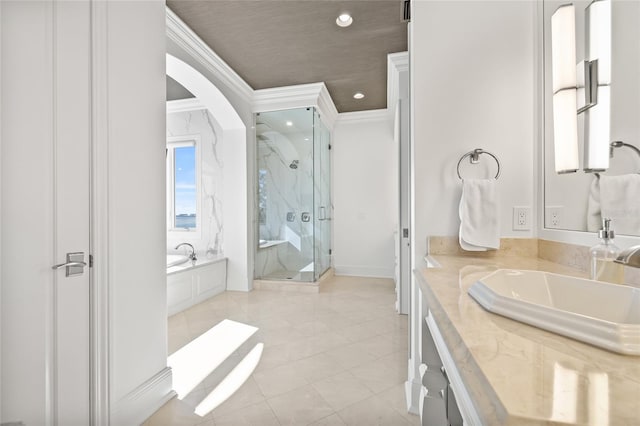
(344, 20)
(358, 95)
(289, 123)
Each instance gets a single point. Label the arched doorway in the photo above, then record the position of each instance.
(234, 134)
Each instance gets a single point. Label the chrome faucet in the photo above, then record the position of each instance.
(630, 257)
(192, 256)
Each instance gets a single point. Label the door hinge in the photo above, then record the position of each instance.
(90, 261)
(406, 11)
(329, 251)
(329, 147)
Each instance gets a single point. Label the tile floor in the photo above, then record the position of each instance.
(338, 357)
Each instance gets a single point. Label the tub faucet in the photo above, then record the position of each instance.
(630, 257)
(192, 256)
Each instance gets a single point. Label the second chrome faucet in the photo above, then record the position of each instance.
(192, 255)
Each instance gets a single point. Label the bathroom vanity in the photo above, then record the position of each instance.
(502, 372)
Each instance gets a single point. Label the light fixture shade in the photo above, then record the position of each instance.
(563, 48)
(598, 17)
(344, 20)
(597, 137)
(598, 117)
(565, 131)
(563, 67)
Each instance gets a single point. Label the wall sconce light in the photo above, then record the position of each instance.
(563, 73)
(598, 117)
(582, 88)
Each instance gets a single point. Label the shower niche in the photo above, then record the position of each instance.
(293, 195)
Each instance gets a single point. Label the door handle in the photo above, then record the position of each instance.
(74, 265)
(68, 264)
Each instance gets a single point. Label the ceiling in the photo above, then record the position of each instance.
(275, 43)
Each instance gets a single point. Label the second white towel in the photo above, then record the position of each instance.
(616, 198)
(479, 223)
(620, 202)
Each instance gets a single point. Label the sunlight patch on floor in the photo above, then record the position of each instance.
(230, 384)
(195, 361)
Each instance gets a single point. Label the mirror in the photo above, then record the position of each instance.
(566, 196)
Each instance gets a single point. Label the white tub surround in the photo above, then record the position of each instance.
(176, 259)
(190, 283)
(510, 373)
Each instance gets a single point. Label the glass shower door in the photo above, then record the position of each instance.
(285, 195)
(322, 196)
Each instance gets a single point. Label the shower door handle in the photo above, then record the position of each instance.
(322, 214)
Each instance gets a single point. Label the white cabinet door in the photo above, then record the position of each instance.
(45, 181)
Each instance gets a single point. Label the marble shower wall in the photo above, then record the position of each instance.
(209, 240)
(285, 168)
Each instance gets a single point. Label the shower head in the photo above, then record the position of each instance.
(294, 164)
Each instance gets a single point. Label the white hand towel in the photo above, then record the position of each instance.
(479, 225)
(620, 202)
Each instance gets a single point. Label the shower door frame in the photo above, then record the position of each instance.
(320, 218)
(323, 207)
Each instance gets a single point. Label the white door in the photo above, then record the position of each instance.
(45, 181)
(404, 209)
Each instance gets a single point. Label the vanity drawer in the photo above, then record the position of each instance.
(433, 409)
(453, 412)
(430, 355)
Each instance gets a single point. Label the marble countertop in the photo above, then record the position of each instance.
(517, 374)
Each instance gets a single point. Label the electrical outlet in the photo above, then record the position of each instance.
(553, 217)
(521, 218)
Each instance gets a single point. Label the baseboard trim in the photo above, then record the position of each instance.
(139, 404)
(364, 271)
(412, 395)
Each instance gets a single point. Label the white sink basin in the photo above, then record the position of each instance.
(602, 314)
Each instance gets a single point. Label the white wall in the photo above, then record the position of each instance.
(472, 68)
(365, 194)
(136, 207)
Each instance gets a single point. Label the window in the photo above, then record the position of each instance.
(183, 185)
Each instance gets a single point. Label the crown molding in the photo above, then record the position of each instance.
(184, 105)
(183, 36)
(298, 96)
(327, 107)
(396, 63)
(364, 116)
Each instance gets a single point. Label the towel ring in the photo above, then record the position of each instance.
(475, 154)
(619, 144)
